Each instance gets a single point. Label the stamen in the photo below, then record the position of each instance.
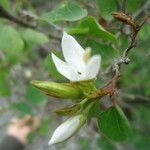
(87, 54)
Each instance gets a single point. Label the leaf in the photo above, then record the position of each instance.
(69, 110)
(65, 12)
(85, 143)
(143, 114)
(22, 107)
(144, 33)
(106, 7)
(114, 124)
(33, 36)
(94, 111)
(34, 95)
(5, 4)
(141, 141)
(10, 39)
(77, 30)
(107, 52)
(4, 87)
(95, 29)
(4, 84)
(132, 7)
(44, 127)
(105, 144)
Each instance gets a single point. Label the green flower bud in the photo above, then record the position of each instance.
(59, 90)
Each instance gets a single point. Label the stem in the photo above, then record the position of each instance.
(7, 15)
(115, 68)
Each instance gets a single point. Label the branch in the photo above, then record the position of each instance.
(142, 9)
(136, 99)
(134, 35)
(115, 67)
(7, 15)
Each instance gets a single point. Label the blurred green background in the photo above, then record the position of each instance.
(25, 55)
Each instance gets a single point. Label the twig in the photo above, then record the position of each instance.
(133, 38)
(142, 9)
(7, 15)
(115, 67)
(56, 27)
(124, 59)
(136, 99)
(54, 37)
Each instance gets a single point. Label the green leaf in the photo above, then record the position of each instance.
(105, 144)
(95, 29)
(106, 7)
(132, 7)
(34, 95)
(5, 4)
(94, 111)
(22, 107)
(144, 33)
(4, 83)
(77, 30)
(85, 143)
(33, 36)
(107, 52)
(114, 124)
(10, 39)
(144, 113)
(141, 141)
(4, 87)
(44, 127)
(65, 12)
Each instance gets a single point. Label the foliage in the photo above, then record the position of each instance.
(27, 48)
(114, 124)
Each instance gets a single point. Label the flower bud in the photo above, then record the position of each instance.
(59, 90)
(67, 129)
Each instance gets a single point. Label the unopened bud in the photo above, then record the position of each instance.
(59, 90)
(125, 19)
(67, 129)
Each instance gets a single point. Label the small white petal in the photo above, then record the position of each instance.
(93, 67)
(66, 130)
(73, 52)
(65, 69)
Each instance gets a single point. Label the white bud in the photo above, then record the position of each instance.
(67, 129)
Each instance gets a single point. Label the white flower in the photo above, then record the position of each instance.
(67, 129)
(78, 66)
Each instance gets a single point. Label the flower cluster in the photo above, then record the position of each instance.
(80, 69)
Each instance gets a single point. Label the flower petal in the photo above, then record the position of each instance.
(65, 69)
(73, 52)
(66, 129)
(93, 67)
